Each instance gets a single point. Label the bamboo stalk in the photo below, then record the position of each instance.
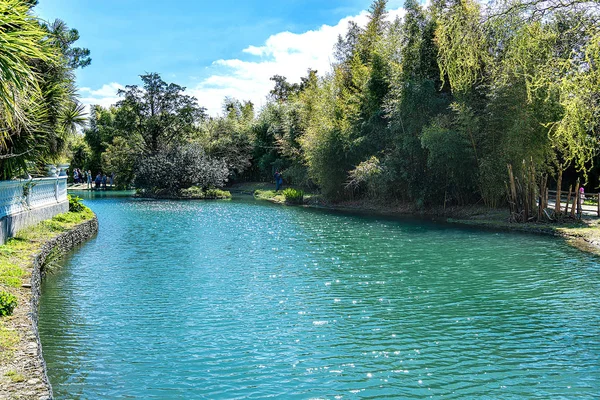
(532, 186)
(513, 191)
(568, 200)
(575, 200)
(558, 191)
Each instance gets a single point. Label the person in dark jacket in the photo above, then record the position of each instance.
(278, 180)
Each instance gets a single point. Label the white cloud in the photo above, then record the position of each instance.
(285, 53)
(105, 96)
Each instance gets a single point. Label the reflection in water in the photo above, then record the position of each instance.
(177, 300)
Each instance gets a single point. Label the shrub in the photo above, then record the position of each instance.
(8, 302)
(180, 167)
(293, 196)
(196, 192)
(217, 194)
(75, 204)
(193, 192)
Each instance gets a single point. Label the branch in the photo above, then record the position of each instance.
(7, 156)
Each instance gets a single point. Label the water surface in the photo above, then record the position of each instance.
(243, 299)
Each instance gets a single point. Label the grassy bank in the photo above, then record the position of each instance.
(192, 193)
(584, 234)
(266, 191)
(16, 262)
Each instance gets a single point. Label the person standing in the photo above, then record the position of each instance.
(89, 179)
(278, 180)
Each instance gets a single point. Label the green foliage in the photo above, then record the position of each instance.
(10, 273)
(9, 339)
(52, 261)
(196, 192)
(293, 196)
(366, 176)
(8, 302)
(463, 48)
(168, 172)
(15, 376)
(451, 162)
(119, 158)
(72, 218)
(75, 204)
(22, 40)
(228, 138)
(427, 109)
(159, 114)
(79, 153)
(214, 193)
(39, 109)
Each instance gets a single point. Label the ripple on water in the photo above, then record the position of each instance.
(177, 300)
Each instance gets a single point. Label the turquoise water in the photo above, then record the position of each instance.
(243, 299)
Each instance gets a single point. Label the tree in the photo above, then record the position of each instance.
(119, 159)
(169, 171)
(158, 114)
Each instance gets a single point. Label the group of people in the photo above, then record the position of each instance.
(100, 181)
(80, 176)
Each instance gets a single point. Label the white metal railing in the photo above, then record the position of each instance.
(26, 194)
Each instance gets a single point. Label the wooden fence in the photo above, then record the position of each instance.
(569, 200)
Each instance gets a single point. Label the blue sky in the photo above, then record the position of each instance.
(215, 48)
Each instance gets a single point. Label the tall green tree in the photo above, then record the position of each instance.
(159, 114)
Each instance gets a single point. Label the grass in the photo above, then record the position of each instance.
(10, 274)
(15, 259)
(279, 197)
(16, 253)
(293, 196)
(9, 339)
(14, 376)
(191, 193)
(48, 229)
(270, 195)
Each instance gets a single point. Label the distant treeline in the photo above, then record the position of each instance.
(425, 109)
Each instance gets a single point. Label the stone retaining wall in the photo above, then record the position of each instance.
(39, 387)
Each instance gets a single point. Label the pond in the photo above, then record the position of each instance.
(244, 299)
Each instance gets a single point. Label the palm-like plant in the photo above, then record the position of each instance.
(39, 108)
(21, 41)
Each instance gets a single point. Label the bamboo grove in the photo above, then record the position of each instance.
(426, 109)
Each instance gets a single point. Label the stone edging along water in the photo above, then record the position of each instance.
(588, 244)
(64, 243)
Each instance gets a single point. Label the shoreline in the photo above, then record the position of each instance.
(23, 372)
(584, 235)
